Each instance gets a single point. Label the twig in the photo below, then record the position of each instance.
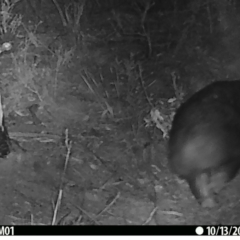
(142, 83)
(68, 144)
(147, 6)
(57, 206)
(109, 205)
(173, 213)
(150, 216)
(60, 13)
(83, 211)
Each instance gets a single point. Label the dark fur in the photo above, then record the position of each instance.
(204, 144)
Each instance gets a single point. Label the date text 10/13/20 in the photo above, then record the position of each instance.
(223, 230)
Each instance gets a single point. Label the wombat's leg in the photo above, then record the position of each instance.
(200, 187)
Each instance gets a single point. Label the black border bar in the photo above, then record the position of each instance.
(107, 230)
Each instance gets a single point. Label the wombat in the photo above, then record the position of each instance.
(204, 141)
